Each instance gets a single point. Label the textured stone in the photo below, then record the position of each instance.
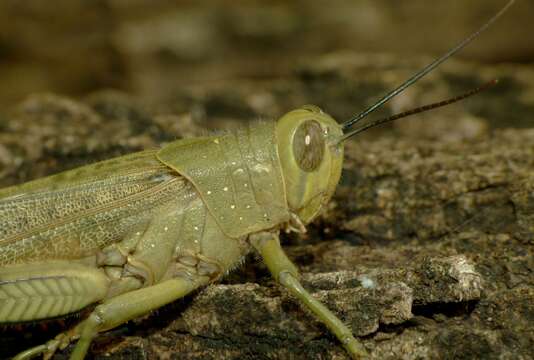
(425, 250)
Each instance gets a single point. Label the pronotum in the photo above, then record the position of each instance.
(136, 232)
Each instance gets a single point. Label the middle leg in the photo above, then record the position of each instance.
(125, 307)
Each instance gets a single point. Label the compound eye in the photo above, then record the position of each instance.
(308, 145)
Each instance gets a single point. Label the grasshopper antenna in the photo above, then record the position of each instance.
(418, 110)
(346, 125)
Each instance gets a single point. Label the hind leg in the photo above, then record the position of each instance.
(116, 311)
(32, 292)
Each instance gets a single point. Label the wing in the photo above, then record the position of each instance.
(75, 213)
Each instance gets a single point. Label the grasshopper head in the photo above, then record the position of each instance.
(311, 157)
(310, 146)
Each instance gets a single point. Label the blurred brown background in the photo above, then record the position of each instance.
(156, 49)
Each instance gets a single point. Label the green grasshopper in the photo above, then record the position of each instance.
(136, 232)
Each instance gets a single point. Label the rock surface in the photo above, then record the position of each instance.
(425, 250)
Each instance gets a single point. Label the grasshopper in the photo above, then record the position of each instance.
(136, 232)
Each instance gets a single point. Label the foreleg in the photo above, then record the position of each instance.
(286, 273)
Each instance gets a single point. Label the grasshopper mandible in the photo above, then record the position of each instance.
(136, 232)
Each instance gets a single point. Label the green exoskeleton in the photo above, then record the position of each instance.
(134, 233)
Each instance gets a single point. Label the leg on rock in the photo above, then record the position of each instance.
(285, 272)
(118, 310)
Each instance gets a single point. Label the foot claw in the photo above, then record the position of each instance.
(48, 349)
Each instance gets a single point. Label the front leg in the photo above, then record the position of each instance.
(286, 273)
